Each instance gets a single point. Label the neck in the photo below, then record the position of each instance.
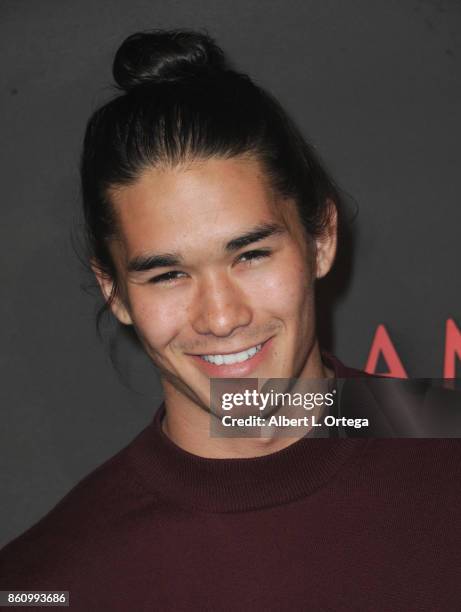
(188, 425)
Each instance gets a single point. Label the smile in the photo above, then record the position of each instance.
(229, 358)
(242, 363)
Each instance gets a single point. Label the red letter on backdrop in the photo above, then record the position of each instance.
(383, 344)
(452, 348)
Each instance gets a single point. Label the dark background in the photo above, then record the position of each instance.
(374, 85)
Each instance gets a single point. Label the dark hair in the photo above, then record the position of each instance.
(182, 100)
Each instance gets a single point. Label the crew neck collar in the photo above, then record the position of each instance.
(241, 484)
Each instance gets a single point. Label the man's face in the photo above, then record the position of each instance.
(215, 275)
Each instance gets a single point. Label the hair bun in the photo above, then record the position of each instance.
(165, 55)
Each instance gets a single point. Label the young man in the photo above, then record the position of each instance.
(214, 269)
(197, 290)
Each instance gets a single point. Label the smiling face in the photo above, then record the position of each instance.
(216, 275)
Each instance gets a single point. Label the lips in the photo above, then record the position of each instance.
(236, 364)
(230, 358)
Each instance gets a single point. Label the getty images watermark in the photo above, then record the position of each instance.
(358, 407)
(276, 407)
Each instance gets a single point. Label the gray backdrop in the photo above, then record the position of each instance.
(374, 85)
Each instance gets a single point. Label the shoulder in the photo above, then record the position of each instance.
(340, 370)
(398, 408)
(65, 537)
(418, 468)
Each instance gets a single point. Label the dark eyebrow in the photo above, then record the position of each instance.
(254, 235)
(142, 263)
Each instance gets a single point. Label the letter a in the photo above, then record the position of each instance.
(383, 344)
(452, 348)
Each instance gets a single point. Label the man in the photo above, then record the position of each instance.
(209, 299)
(182, 521)
(216, 273)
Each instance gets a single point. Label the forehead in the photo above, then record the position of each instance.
(196, 205)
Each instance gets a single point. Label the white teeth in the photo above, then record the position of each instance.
(233, 357)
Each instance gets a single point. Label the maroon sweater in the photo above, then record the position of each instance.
(322, 525)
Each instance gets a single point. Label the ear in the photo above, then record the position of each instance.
(117, 305)
(327, 241)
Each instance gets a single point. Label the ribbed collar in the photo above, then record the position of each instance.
(237, 485)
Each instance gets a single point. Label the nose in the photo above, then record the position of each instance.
(220, 307)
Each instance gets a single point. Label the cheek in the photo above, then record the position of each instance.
(286, 288)
(157, 321)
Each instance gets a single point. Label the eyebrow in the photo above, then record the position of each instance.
(142, 263)
(256, 234)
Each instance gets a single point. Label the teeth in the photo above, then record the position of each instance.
(233, 357)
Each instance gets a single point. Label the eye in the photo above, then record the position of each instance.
(254, 255)
(168, 277)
